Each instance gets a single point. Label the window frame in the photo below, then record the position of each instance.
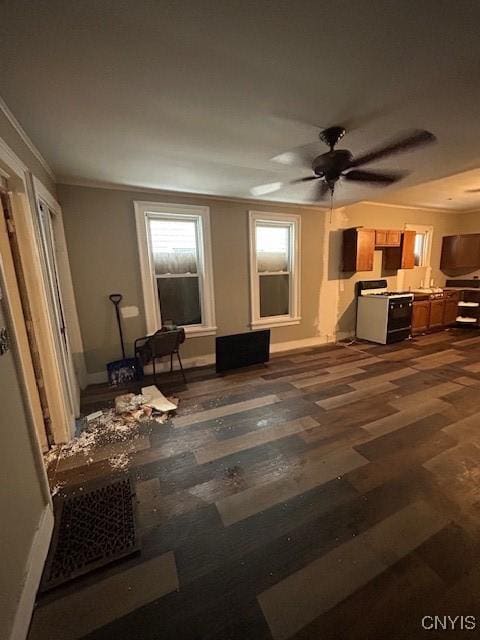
(144, 211)
(427, 230)
(282, 219)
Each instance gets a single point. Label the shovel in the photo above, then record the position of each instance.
(126, 369)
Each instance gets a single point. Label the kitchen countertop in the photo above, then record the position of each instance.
(438, 295)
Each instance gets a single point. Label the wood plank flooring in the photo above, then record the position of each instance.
(332, 494)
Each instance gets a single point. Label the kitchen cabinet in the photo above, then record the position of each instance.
(401, 257)
(358, 249)
(387, 238)
(461, 252)
(408, 249)
(359, 246)
(437, 312)
(451, 311)
(420, 316)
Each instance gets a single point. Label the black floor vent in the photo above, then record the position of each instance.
(93, 527)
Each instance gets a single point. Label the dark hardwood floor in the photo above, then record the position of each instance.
(333, 494)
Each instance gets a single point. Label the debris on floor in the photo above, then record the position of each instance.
(57, 487)
(157, 400)
(117, 425)
(119, 461)
(93, 416)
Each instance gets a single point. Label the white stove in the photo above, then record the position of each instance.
(382, 316)
(390, 294)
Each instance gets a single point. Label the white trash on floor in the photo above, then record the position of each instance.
(117, 425)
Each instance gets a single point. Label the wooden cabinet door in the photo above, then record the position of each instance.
(437, 312)
(365, 249)
(461, 252)
(393, 238)
(387, 238)
(401, 257)
(420, 316)
(381, 237)
(451, 311)
(408, 246)
(358, 249)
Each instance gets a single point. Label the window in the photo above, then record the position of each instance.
(274, 269)
(175, 256)
(419, 249)
(423, 244)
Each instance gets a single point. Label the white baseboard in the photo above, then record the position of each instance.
(35, 563)
(100, 377)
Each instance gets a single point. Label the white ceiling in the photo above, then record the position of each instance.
(450, 193)
(199, 95)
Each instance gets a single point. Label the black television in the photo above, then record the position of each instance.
(242, 350)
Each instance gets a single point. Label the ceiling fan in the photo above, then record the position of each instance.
(329, 167)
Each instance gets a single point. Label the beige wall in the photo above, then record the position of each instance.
(18, 146)
(102, 245)
(21, 500)
(101, 238)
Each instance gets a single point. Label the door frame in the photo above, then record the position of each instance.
(44, 200)
(22, 200)
(14, 172)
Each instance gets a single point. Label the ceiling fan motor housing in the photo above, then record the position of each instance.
(332, 163)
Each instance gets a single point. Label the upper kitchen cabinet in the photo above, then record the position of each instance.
(358, 249)
(387, 238)
(461, 252)
(403, 256)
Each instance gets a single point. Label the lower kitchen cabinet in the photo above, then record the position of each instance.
(451, 311)
(434, 314)
(420, 316)
(437, 312)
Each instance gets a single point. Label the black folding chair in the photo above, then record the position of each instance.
(160, 344)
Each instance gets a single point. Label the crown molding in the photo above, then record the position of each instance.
(408, 206)
(475, 210)
(93, 184)
(25, 138)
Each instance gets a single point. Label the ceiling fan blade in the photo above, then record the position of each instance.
(263, 189)
(411, 140)
(302, 156)
(319, 192)
(347, 117)
(306, 179)
(373, 177)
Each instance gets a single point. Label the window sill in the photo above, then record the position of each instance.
(274, 322)
(195, 332)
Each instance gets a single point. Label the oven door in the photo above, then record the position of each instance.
(399, 315)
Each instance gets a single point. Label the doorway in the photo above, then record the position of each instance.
(46, 221)
(27, 340)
